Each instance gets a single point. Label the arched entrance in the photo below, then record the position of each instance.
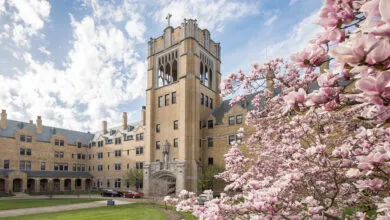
(2, 185)
(17, 185)
(31, 185)
(78, 184)
(43, 185)
(88, 184)
(163, 183)
(56, 185)
(67, 184)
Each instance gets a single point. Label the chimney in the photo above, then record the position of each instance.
(104, 127)
(39, 125)
(31, 122)
(124, 120)
(3, 122)
(270, 82)
(143, 115)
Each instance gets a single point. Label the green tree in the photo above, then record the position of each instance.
(135, 177)
(207, 179)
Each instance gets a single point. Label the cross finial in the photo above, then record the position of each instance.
(168, 17)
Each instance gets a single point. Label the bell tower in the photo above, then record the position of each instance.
(182, 90)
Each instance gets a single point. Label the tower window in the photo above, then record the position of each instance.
(173, 97)
(207, 101)
(157, 128)
(175, 142)
(201, 98)
(175, 124)
(166, 99)
(160, 101)
(210, 124)
(210, 142)
(157, 145)
(211, 103)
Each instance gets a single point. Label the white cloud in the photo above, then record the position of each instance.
(292, 2)
(212, 15)
(136, 29)
(44, 50)
(271, 20)
(101, 72)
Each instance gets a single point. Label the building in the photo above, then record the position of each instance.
(185, 126)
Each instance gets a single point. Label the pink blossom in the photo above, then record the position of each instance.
(376, 86)
(333, 35)
(294, 98)
(327, 79)
(384, 8)
(374, 184)
(313, 55)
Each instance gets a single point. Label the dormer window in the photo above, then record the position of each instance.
(25, 138)
(100, 143)
(112, 132)
(118, 140)
(130, 137)
(78, 144)
(58, 142)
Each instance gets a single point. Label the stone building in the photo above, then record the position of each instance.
(185, 127)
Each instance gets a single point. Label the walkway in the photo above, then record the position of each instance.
(29, 211)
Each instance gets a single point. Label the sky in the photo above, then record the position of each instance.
(78, 62)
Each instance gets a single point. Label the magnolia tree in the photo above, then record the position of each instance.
(321, 146)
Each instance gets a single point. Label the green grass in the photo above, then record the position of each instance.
(94, 192)
(6, 195)
(188, 216)
(121, 212)
(33, 203)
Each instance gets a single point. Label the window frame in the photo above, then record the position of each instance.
(232, 120)
(175, 124)
(158, 145)
(173, 98)
(239, 119)
(158, 128)
(210, 141)
(176, 142)
(166, 100)
(159, 102)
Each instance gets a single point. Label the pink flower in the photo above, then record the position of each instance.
(374, 184)
(327, 79)
(333, 35)
(295, 97)
(384, 9)
(376, 86)
(310, 56)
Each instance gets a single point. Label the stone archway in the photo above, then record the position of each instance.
(44, 185)
(68, 184)
(17, 185)
(88, 184)
(2, 185)
(163, 183)
(56, 185)
(31, 185)
(78, 184)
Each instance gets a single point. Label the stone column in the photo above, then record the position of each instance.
(62, 185)
(50, 186)
(180, 177)
(37, 185)
(7, 185)
(72, 184)
(146, 183)
(83, 184)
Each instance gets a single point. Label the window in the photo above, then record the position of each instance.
(128, 152)
(210, 161)
(118, 153)
(118, 140)
(61, 167)
(93, 144)
(109, 141)
(175, 142)
(25, 151)
(231, 120)
(100, 167)
(100, 143)
(239, 119)
(173, 97)
(211, 103)
(6, 164)
(83, 156)
(210, 124)
(139, 165)
(99, 183)
(25, 138)
(201, 99)
(22, 151)
(28, 152)
(118, 183)
(100, 155)
(157, 128)
(160, 101)
(139, 150)
(108, 154)
(108, 183)
(166, 99)
(128, 166)
(157, 145)
(78, 156)
(207, 101)
(59, 154)
(141, 136)
(175, 124)
(78, 144)
(210, 142)
(238, 139)
(108, 167)
(231, 139)
(58, 142)
(118, 166)
(89, 156)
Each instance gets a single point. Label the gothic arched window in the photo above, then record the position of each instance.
(161, 76)
(168, 74)
(201, 72)
(174, 71)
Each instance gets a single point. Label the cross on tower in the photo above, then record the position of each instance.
(168, 17)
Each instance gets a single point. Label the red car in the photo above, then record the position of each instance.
(132, 194)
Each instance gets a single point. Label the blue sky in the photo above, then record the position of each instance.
(79, 62)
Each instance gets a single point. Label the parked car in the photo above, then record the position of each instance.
(202, 198)
(133, 194)
(111, 193)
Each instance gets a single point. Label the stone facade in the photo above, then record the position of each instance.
(185, 127)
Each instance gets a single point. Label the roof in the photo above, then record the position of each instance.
(128, 131)
(51, 174)
(47, 132)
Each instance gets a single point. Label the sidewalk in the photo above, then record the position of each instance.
(29, 211)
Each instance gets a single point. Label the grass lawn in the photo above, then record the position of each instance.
(121, 212)
(33, 203)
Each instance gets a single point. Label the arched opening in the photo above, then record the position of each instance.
(161, 76)
(17, 185)
(163, 183)
(201, 72)
(30, 185)
(78, 184)
(174, 71)
(44, 185)
(88, 184)
(2, 185)
(206, 76)
(67, 184)
(168, 74)
(56, 185)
